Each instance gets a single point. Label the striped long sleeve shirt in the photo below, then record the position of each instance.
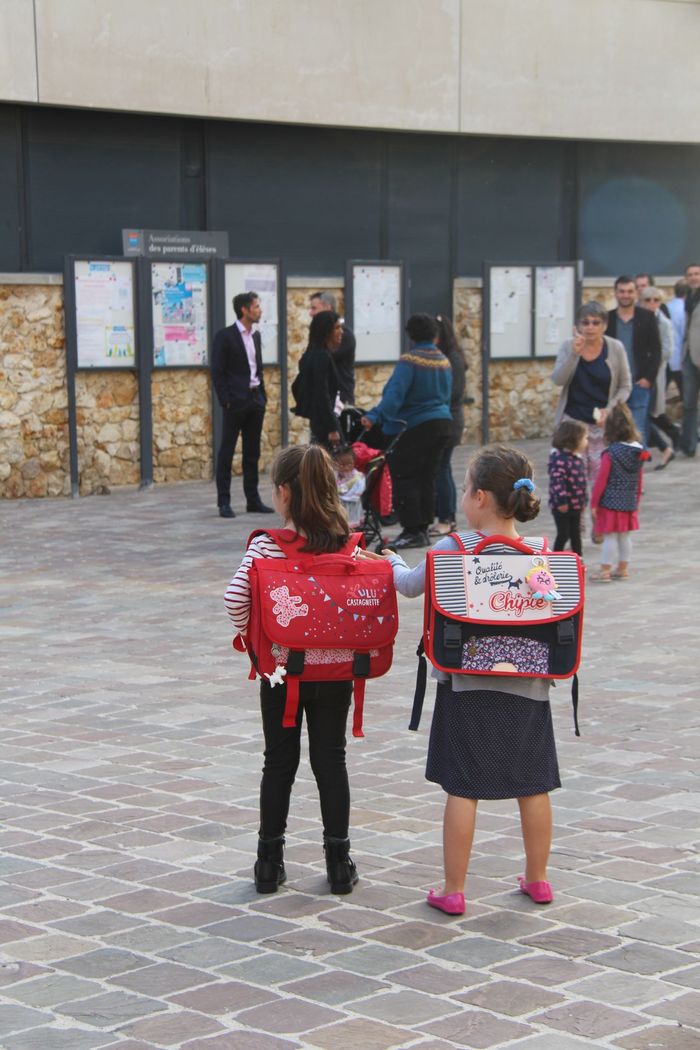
(237, 597)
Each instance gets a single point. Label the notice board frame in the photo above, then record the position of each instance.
(400, 340)
(73, 365)
(531, 308)
(221, 318)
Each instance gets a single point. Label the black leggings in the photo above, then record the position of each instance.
(326, 705)
(568, 528)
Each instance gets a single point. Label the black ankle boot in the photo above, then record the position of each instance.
(269, 867)
(341, 870)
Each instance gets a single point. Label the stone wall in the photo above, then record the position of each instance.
(34, 459)
(34, 452)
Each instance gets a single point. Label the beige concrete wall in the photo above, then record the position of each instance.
(17, 52)
(602, 69)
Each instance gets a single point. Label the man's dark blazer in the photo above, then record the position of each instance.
(230, 369)
(646, 342)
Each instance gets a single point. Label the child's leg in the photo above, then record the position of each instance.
(607, 554)
(624, 549)
(575, 530)
(562, 523)
(457, 837)
(536, 824)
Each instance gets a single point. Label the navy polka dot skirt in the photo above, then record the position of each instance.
(490, 745)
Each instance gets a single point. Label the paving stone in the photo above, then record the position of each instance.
(15, 931)
(509, 997)
(477, 951)
(622, 989)
(638, 957)
(357, 1032)
(372, 961)
(224, 997)
(110, 1009)
(147, 938)
(476, 1028)
(16, 1018)
(309, 942)
(240, 1040)
(46, 948)
(685, 1010)
(547, 970)
(407, 1008)
(416, 935)
(250, 928)
(269, 968)
(570, 941)
(53, 989)
(104, 962)
(46, 1038)
(661, 1037)
(428, 977)
(287, 1016)
(161, 979)
(206, 953)
(334, 988)
(173, 1029)
(592, 1020)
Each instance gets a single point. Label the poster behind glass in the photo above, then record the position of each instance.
(261, 278)
(180, 319)
(104, 314)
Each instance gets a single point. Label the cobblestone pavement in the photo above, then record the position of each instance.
(129, 773)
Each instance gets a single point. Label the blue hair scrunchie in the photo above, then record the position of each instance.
(524, 483)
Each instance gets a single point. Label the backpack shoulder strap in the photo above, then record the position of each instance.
(467, 541)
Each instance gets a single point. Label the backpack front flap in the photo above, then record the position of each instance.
(329, 606)
(504, 609)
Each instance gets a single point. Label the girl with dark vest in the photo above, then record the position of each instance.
(616, 493)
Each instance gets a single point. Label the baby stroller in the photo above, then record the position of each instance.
(373, 463)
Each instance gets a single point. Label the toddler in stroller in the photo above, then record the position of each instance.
(376, 498)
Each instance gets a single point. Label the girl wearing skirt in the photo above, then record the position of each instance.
(491, 737)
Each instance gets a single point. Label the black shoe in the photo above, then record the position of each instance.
(259, 508)
(269, 867)
(410, 538)
(226, 511)
(340, 867)
(389, 519)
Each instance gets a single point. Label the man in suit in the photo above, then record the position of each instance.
(638, 332)
(237, 375)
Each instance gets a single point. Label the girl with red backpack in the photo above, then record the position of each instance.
(305, 495)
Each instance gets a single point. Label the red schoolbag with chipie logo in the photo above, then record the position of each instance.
(319, 618)
(500, 606)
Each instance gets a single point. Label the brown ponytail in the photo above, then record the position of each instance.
(314, 507)
(496, 469)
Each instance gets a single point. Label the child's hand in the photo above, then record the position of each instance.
(372, 556)
(563, 509)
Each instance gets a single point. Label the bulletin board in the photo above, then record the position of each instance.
(263, 278)
(100, 312)
(179, 306)
(509, 298)
(529, 309)
(375, 309)
(556, 305)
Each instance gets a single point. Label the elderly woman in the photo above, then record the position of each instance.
(594, 374)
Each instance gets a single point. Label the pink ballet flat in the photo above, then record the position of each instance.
(452, 904)
(539, 892)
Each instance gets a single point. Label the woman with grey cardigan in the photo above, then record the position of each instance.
(594, 374)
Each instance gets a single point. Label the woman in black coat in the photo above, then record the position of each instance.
(315, 388)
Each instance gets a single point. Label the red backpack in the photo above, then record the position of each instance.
(319, 618)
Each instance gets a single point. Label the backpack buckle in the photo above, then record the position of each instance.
(565, 632)
(360, 665)
(295, 662)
